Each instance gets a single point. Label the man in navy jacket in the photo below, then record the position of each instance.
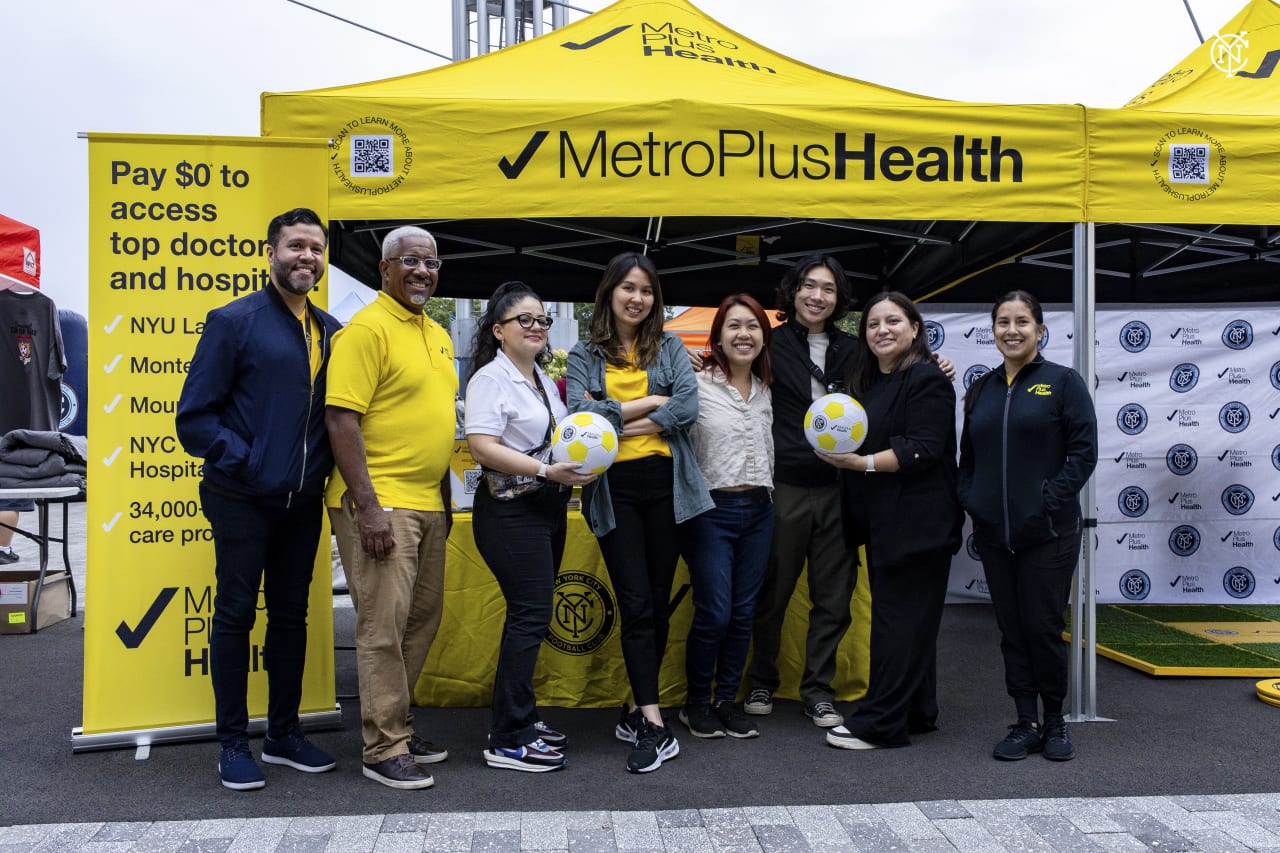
(253, 407)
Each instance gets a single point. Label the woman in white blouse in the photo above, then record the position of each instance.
(519, 512)
(727, 547)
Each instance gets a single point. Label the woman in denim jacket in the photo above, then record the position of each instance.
(639, 377)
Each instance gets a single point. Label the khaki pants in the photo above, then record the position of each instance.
(398, 604)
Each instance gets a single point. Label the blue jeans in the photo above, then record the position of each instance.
(522, 541)
(272, 548)
(727, 549)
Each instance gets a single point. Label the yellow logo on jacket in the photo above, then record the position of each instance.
(1041, 389)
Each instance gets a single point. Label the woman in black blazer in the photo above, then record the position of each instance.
(899, 500)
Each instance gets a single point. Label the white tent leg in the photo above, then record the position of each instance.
(1083, 683)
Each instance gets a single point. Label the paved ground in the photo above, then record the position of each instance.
(1176, 822)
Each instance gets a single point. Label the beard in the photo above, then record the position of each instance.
(299, 282)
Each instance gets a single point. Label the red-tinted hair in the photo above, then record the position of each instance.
(762, 366)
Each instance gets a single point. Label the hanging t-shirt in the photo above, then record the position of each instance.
(32, 361)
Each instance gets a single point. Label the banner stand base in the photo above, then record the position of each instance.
(81, 742)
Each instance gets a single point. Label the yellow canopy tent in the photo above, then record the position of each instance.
(650, 124)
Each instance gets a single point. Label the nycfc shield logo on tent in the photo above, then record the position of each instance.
(1135, 585)
(1275, 376)
(1184, 377)
(1238, 334)
(1135, 336)
(1238, 582)
(1133, 501)
(1234, 417)
(936, 334)
(1237, 499)
(1181, 459)
(1275, 538)
(1132, 419)
(1184, 540)
(1275, 457)
(583, 614)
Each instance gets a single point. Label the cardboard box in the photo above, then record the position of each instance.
(17, 594)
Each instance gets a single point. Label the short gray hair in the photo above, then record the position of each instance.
(391, 242)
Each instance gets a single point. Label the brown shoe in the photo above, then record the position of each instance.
(399, 771)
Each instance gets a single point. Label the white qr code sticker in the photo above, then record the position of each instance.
(1189, 164)
(373, 156)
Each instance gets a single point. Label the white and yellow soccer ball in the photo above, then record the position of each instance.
(835, 423)
(588, 439)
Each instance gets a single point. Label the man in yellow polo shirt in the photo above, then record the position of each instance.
(390, 415)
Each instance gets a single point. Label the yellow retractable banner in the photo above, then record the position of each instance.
(177, 226)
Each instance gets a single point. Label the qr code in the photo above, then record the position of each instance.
(471, 480)
(1189, 164)
(371, 156)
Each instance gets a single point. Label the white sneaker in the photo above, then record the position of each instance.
(843, 738)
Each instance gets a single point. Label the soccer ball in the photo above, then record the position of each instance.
(588, 439)
(835, 423)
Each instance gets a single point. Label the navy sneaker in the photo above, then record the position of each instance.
(534, 757)
(426, 752)
(294, 750)
(551, 737)
(628, 727)
(654, 745)
(1056, 742)
(736, 723)
(1023, 738)
(238, 770)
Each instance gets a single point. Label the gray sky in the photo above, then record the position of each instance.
(176, 66)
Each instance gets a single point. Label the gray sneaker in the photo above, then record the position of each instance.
(426, 752)
(399, 771)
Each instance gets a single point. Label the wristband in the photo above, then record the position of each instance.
(871, 463)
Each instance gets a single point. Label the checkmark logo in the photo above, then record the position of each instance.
(969, 333)
(1123, 537)
(1121, 377)
(970, 584)
(112, 366)
(1172, 415)
(111, 327)
(112, 523)
(133, 637)
(513, 170)
(1223, 455)
(586, 45)
(1276, 332)
(1070, 335)
(1174, 582)
(1277, 580)
(1175, 497)
(1228, 536)
(110, 407)
(107, 460)
(1176, 332)
(1275, 497)
(1272, 416)
(1223, 372)
(1121, 456)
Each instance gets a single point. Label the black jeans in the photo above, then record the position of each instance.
(272, 548)
(522, 541)
(1029, 590)
(641, 553)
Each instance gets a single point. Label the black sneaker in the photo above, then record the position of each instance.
(8, 557)
(734, 721)
(702, 722)
(823, 714)
(628, 728)
(551, 737)
(237, 768)
(1057, 742)
(535, 757)
(760, 702)
(294, 750)
(654, 745)
(399, 771)
(1022, 740)
(426, 752)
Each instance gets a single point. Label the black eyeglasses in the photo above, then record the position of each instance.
(411, 262)
(526, 321)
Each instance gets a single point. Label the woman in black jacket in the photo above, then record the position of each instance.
(899, 500)
(1029, 444)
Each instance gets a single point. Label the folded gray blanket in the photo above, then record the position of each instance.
(16, 446)
(75, 480)
(52, 466)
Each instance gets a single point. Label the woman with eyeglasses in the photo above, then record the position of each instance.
(639, 377)
(519, 512)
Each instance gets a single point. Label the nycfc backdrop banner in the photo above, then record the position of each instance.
(1188, 476)
(177, 226)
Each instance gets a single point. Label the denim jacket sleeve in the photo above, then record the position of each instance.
(584, 376)
(674, 378)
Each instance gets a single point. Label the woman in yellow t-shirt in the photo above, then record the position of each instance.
(639, 377)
